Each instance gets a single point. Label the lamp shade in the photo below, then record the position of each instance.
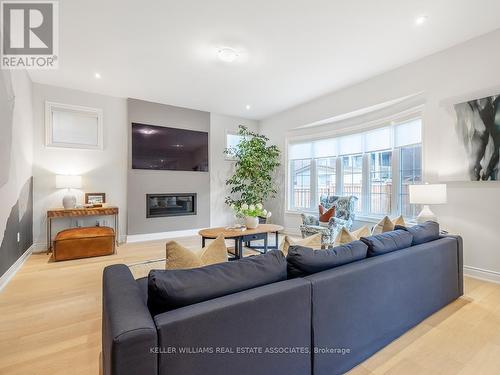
(428, 194)
(68, 182)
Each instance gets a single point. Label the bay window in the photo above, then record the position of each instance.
(377, 166)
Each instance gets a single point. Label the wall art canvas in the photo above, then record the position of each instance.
(478, 127)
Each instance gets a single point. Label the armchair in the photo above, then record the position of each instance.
(344, 217)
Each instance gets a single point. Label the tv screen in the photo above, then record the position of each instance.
(159, 147)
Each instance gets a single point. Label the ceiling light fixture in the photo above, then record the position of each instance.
(248, 107)
(227, 54)
(420, 20)
(97, 75)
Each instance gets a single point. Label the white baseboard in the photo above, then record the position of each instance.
(482, 274)
(39, 247)
(9, 274)
(161, 235)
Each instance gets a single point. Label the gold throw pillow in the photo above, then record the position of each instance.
(313, 241)
(345, 236)
(399, 221)
(386, 224)
(180, 257)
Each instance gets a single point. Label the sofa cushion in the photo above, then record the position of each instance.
(422, 233)
(387, 242)
(171, 289)
(302, 261)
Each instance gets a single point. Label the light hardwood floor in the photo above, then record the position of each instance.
(50, 322)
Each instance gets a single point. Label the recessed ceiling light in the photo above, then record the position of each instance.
(97, 75)
(227, 54)
(420, 20)
(248, 106)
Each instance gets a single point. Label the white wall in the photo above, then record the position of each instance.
(466, 71)
(221, 168)
(102, 170)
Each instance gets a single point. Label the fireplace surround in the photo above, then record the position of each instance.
(170, 204)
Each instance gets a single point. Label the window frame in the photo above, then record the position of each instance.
(365, 214)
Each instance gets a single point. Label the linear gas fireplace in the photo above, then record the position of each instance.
(161, 205)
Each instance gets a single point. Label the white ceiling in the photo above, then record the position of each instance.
(291, 50)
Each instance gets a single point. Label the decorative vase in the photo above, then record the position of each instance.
(251, 222)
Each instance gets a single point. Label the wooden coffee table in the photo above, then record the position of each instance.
(244, 236)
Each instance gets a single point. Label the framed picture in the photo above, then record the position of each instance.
(478, 129)
(95, 198)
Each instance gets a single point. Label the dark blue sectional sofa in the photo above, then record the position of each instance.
(323, 323)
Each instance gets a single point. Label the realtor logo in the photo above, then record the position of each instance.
(30, 37)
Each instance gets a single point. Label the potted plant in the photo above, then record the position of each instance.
(253, 180)
(251, 213)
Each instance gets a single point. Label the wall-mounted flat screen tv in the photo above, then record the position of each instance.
(162, 148)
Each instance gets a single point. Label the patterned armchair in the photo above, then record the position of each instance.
(344, 217)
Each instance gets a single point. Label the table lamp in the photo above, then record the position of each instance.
(427, 194)
(69, 182)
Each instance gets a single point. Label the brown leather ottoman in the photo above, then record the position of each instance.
(84, 242)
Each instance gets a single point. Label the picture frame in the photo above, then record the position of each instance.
(95, 198)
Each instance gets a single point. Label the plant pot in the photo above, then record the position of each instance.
(251, 222)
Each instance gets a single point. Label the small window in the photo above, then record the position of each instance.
(232, 140)
(71, 126)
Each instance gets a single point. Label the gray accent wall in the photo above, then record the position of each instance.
(142, 182)
(20, 221)
(16, 181)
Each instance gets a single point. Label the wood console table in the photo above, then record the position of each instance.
(59, 213)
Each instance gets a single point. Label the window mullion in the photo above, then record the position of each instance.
(313, 184)
(396, 182)
(365, 189)
(338, 177)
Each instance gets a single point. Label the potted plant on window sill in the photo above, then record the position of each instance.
(253, 179)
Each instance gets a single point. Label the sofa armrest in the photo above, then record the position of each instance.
(460, 255)
(275, 317)
(128, 330)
